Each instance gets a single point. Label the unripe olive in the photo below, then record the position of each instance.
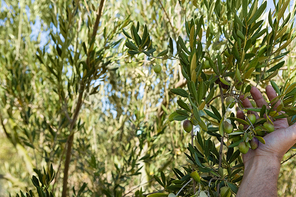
(254, 143)
(269, 127)
(241, 126)
(157, 68)
(195, 176)
(252, 118)
(243, 148)
(253, 103)
(225, 192)
(187, 126)
(230, 102)
(259, 131)
(228, 128)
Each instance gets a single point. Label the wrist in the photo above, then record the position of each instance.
(260, 177)
(263, 162)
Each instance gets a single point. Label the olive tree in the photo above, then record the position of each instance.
(92, 105)
(229, 46)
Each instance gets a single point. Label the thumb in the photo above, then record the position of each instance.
(290, 136)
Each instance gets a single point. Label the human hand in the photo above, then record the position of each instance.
(262, 166)
(277, 142)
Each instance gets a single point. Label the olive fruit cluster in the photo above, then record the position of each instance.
(244, 148)
(260, 129)
(249, 133)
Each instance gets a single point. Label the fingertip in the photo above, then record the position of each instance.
(271, 94)
(253, 89)
(269, 88)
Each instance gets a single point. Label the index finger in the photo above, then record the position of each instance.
(258, 97)
(271, 94)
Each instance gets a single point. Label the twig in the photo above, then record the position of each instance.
(99, 14)
(19, 31)
(77, 110)
(87, 7)
(65, 109)
(222, 138)
(183, 187)
(136, 187)
(288, 158)
(4, 128)
(175, 35)
(70, 139)
(192, 136)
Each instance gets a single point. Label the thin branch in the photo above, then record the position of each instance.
(175, 35)
(222, 138)
(183, 187)
(136, 187)
(71, 138)
(288, 158)
(192, 136)
(78, 107)
(65, 109)
(87, 7)
(99, 14)
(4, 128)
(19, 31)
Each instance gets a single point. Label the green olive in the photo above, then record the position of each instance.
(228, 128)
(241, 127)
(259, 131)
(252, 118)
(253, 103)
(243, 148)
(269, 127)
(157, 68)
(187, 126)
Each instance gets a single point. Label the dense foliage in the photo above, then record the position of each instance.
(92, 94)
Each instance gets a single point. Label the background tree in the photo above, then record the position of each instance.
(88, 78)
